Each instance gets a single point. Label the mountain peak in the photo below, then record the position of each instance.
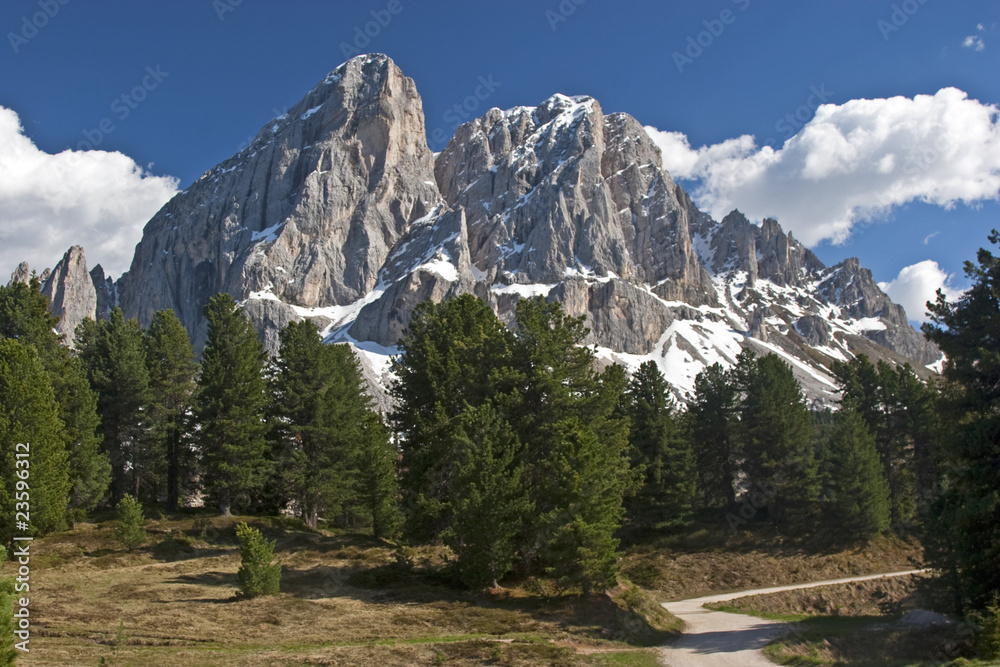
(339, 212)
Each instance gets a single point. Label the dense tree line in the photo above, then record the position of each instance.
(130, 413)
(509, 444)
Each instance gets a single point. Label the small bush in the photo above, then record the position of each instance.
(256, 576)
(129, 531)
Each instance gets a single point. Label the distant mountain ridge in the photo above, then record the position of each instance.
(339, 212)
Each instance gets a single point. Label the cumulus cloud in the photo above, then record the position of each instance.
(916, 285)
(851, 162)
(96, 199)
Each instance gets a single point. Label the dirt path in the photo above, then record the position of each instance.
(719, 639)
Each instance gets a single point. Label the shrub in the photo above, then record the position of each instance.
(129, 531)
(256, 576)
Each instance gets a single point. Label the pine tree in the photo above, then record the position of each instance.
(490, 503)
(29, 415)
(89, 467)
(129, 531)
(257, 575)
(455, 353)
(172, 368)
(776, 437)
(856, 489)
(229, 405)
(899, 410)
(324, 420)
(378, 481)
(115, 358)
(965, 537)
(24, 316)
(659, 449)
(712, 422)
(575, 446)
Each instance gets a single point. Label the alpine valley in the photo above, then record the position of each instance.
(338, 211)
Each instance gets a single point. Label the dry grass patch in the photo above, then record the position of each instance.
(345, 599)
(715, 562)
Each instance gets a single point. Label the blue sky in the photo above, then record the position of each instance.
(179, 86)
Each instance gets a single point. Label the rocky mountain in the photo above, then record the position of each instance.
(74, 294)
(338, 211)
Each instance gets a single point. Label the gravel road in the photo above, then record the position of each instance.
(720, 639)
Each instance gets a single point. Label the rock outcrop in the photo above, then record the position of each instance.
(70, 291)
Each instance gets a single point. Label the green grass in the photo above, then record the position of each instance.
(770, 616)
(867, 641)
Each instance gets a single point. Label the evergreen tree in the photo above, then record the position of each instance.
(540, 385)
(379, 485)
(89, 467)
(115, 358)
(454, 354)
(172, 368)
(257, 575)
(776, 437)
(899, 410)
(660, 451)
(490, 504)
(575, 446)
(324, 420)
(24, 316)
(856, 489)
(229, 405)
(29, 416)
(129, 531)
(966, 532)
(712, 422)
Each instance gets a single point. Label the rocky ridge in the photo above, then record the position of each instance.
(338, 212)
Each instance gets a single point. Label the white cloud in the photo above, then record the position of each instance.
(927, 239)
(916, 285)
(96, 199)
(974, 42)
(851, 162)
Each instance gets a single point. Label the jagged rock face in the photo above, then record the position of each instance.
(71, 292)
(562, 190)
(742, 254)
(308, 212)
(430, 262)
(22, 274)
(338, 212)
(106, 290)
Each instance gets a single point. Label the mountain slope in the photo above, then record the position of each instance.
(338, 211)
